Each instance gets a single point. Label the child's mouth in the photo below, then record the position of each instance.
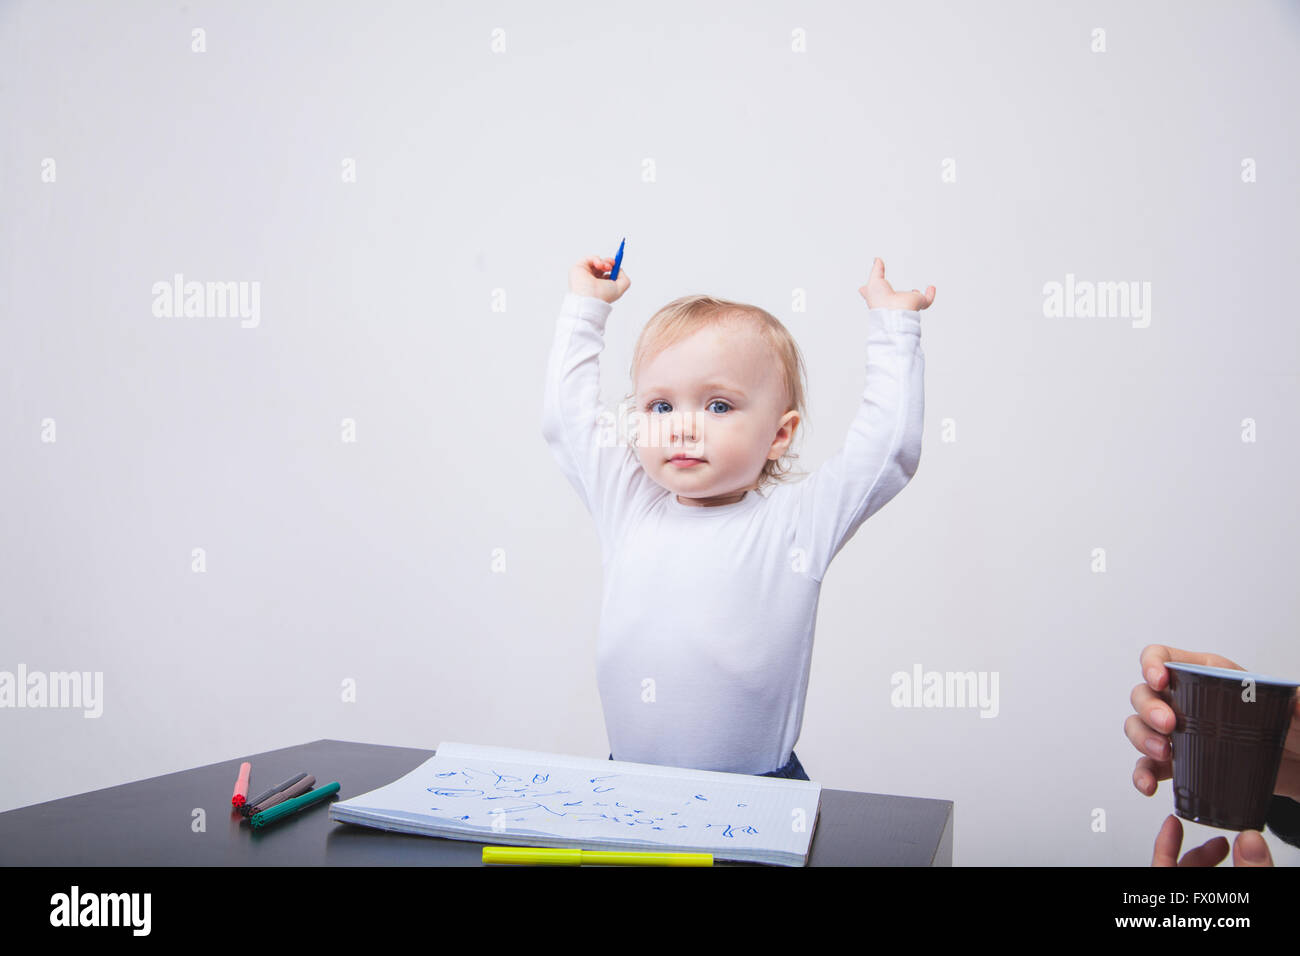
(685, 462)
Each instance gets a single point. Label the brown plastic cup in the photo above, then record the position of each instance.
(1227, 743)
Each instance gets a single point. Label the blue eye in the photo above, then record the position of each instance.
(650, 406)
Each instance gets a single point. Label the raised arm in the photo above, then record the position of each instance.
(604, 471)
(883, 446)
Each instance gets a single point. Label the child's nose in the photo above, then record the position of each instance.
(684, 426)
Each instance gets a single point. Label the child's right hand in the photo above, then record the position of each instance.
(587, 278)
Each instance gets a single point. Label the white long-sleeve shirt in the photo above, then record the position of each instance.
(708, 613)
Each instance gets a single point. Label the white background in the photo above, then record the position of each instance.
(774, 170)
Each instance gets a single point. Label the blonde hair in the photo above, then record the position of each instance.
(689, 314)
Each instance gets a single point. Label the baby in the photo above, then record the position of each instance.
(713, 561)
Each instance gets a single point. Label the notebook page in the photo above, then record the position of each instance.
(499, 792)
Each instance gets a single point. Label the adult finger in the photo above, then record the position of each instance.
(1146, 740)
(1153, 709)
(1154, 657)
(1168, 842)
(1250, 849)
(1148, 773)
(1210, 853)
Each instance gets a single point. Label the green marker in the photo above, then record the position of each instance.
(271, 814)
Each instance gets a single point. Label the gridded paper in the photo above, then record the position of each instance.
(517, 797)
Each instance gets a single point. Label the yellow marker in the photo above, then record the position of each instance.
(551, 856)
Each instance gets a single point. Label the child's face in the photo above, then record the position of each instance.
(717, 397)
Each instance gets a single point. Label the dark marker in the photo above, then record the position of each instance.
(247, 808)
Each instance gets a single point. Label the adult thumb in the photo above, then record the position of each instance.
(1249, 849)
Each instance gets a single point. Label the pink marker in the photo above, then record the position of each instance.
(240, 796)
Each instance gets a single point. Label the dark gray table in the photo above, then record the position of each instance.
(148, 823)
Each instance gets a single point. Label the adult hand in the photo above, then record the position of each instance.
(1148, 729)
(1248, 849)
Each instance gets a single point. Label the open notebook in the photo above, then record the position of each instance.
(497, 795)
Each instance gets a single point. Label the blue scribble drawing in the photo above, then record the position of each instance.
(531, 799)
(511, 796)
(730, 829)
(529, 806)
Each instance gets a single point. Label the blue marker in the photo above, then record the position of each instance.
(618, 259)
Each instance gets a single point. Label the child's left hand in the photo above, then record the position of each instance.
(881, 295)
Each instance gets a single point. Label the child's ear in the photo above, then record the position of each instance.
(785, 433)
(791, 421)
